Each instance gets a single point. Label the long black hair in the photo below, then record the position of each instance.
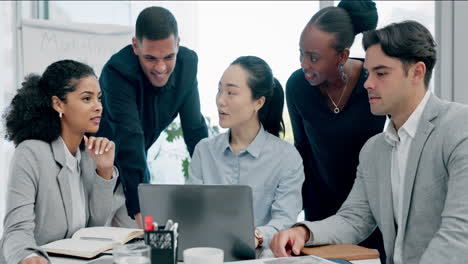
(348, 19)
(262, 83)
(30, 114)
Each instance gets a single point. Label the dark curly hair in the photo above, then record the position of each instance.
(30, 114)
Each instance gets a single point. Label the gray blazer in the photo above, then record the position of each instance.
(435, 198)
(39, 206)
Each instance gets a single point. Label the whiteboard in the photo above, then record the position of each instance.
(44, 42)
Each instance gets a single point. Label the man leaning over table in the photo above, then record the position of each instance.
(145, 86)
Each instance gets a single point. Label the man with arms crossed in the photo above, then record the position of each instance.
(143, 91)
(412, 178)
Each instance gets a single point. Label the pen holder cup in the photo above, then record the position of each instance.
(163, 246)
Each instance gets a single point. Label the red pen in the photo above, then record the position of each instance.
(149, 223)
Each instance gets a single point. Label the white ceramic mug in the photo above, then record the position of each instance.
(203, 255)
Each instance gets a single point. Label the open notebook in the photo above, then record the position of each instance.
(91, 241)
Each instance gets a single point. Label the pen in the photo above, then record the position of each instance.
(149, 223)
(168, 224)
(174, 227)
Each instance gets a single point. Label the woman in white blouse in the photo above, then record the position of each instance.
(60, 180)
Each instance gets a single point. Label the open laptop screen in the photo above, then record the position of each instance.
(218, 216)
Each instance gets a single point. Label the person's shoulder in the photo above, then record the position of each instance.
(444, 113)
(454, 111)
(282, 147)
(123, 56)
(450, 124)
(217, 139)
(453, 117)
(186, 68)
(124, 62)
(373, 144)
(211, 142)
(33, 150)
(34, 145)
(276, 141)
(295, 82)
(295, 77)
(283, 153)
(121, 72)
(205, 142)
(187, 55)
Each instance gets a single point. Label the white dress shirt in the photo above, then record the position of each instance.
(76, 190)
(401, 141)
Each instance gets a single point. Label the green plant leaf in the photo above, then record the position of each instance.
(173, 131)
(185, 167)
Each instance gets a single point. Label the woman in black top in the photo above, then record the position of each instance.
(329, 108)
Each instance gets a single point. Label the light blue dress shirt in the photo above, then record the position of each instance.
(270, 166)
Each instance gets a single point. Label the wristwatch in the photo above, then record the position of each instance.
(259, 236)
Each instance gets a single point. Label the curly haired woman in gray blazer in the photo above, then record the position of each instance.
(60, 180)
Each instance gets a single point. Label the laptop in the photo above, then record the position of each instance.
(218, 216)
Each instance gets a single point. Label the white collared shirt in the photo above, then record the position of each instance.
(76, 190)
(401, 141)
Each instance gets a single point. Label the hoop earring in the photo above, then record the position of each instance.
(60, 115)
(343, 75)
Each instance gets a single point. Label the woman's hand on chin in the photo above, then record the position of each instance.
(102, 151)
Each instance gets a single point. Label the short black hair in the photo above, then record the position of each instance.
(155, 23)
(262, 83)
(345, 21)
(30, 114)
(408, 41)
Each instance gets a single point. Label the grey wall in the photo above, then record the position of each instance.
(460, 45)
(452, 39)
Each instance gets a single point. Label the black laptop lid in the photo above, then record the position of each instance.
(218, 216)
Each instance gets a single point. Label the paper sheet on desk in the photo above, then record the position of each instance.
(299, 260)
